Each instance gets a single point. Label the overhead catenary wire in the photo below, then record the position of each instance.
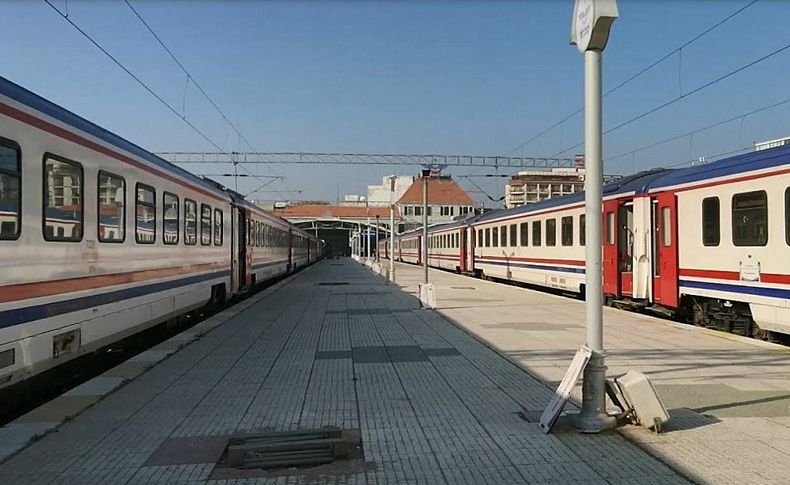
(637, 74)
(133, 76)
(699, 130)
(684, 96)
(191, 78)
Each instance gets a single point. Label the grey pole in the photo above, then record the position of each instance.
(425, 228)
(392, 228)
(593, 417)
(378, 258)
(367, 232)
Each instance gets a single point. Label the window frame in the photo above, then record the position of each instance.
(210, 225)
(495, 237)
(137, 187)
(732, 211)
(188, 201)
(524, 234)
(582, 229)
(513, 235)
(718, 222)
(98, 208)
(537, 235)
(11, 144)
(566, 222)
(45, 193)
(553, 223)
(164, 218)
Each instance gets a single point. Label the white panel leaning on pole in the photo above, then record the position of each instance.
(592, 20)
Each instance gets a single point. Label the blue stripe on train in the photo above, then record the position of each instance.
(18, 316)
(532, 266)
(749, 290)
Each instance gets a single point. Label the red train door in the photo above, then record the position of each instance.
(611, 275)
(665, 250)
(462, 248)
(470, 262)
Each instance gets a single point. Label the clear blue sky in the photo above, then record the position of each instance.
(401, 77)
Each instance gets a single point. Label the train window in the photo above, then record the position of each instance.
(524, 234)
(610, 228)
(513, 236)
(111, 225)
(711, 221)
(145, 208)
(666, 225)
(750, 219)
(480, 238)
(566, 228)
(10, 189)
(536, 235)
(171, 217)
(190, 222)
(787, 215)
(551, 232)
(488, 237)
(495, 236)
(205, 225)
(63, 214)
(582, 230)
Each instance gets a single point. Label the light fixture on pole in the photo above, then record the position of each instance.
(592, 20)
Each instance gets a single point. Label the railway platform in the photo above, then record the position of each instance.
(335, 345)
(728, 396)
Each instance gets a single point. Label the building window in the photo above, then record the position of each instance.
(145, 208)
(711, 221)
(513, 236)
(63, 214)
(750, 219)
(566, 224)
(495, 236)
(524, 233)
(190, 222)
(111, 208)
(610, 228)
(536, 233)
(170, 218)
(418, 210)
(582, 230)
(551, 232)
(10, 189)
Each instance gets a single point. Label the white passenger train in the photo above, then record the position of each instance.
(708, 244)
(100, 239)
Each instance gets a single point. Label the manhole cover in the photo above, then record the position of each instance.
(287, 449)
(333, 283)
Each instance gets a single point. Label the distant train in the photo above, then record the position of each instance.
(708, 244)
(100, 239)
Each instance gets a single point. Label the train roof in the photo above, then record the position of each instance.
(624, 185)
(747, 162)
(38, 103)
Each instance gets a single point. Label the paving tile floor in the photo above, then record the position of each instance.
(729, 397)
(433, 404)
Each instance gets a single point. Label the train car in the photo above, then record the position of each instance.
(722, 233)
(409, 247)
(99, 238)
(444, 246)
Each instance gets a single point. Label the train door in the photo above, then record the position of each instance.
(611, 275)
(618, 247)
(242, 234)
(665, 250)
(462, 248)
(421, 249)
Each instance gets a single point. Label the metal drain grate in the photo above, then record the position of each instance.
(333, 283)
(292, 449)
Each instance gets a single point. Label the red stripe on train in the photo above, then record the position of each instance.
(733, 275)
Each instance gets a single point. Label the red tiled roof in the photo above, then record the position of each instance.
(333, 211)
(441, 191)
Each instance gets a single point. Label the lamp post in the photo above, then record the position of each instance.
(377, 239)
(392, 228)
(367, 232)
(592, 20)
(425, 175)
